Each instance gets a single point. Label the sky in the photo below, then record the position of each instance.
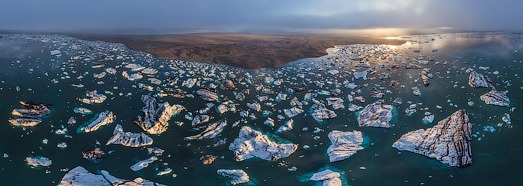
(257, 15)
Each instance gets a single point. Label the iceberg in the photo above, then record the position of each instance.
(344, 144)
(449, 141)
(237, 176)
(129, 139)
(376, 114)
(290, 113)
(80, 176)
(93, 97)
(329, 178)
(207, 95)
(211, 131)
(103, 118)
(157, 115)
(144, 163)
(479, 80)
(30, 115)
(38, 161)
(251, 143)
(495, 97)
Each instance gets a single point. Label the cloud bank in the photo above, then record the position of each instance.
(257, 15)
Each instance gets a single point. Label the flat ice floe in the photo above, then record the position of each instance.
(237, 176)
(144, 163)
(328, 177)
(38, 161)
(103, 118)
(251, 143)
(81, 176)
(376, 114)
(344, 144)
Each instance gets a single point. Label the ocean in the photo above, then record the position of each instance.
(28, 72)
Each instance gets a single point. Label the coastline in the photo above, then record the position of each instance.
(248, 51)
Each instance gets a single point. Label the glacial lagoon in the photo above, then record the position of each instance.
(58, 71)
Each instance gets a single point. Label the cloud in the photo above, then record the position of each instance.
(257, 15)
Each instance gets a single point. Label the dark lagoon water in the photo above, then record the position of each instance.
(26, 63)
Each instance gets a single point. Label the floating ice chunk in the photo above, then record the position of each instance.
(144, 163)
(80, 176)
(38, 161)
(423, 62)
(428, 119)
(149, 70)
(207, 95)
(94, 154)
(495, 97)
(240, 96)
(189, 83)
(129, 139)
(353, 107)
(227, 85)
(101, 119)
(320, 113)
(506, 118)
(237, 176)
(376, 93)
(211, 131)
(489, 128)
(155, 150)
(290, 113)
(286, 127)
(135, 67)
(484, 68)
(448, 141)
(336, 103)
(281, 97)
(329, 178)
(132, 77)
(93, 97)
(269, 122)
(155, 81)
(62, 145)
(56, 52)
(110, 71)
(30, 115)
(165, 172)
(425, 75)
(81, 110)
(254, 106)
(360, 75)
(333, 72)
(251, 143)
(360, 99)
(479, 80)
(199, 119)
(344, 144)
(416, 91)
(376, 114)
(157, 115)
